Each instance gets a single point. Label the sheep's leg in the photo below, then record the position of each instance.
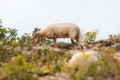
(54, 42)
(78, 42)
(72, 40)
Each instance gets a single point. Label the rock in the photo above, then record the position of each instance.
(115, 38)
(116, 46)
(117, 56)
(55, 76)
(84, 58)
(109, 43)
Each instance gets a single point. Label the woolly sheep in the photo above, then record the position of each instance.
(84, 58)
(59, 30)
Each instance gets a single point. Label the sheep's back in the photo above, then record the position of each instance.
(63, 29)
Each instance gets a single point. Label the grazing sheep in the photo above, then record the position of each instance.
(59, 30)
(84, 58)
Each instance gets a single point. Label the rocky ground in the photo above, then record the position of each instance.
(112, 43)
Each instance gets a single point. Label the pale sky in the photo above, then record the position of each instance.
(89, 15)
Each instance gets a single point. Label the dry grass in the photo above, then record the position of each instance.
(44, 63)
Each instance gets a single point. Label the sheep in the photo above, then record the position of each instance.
(81, 59)
(59, 30)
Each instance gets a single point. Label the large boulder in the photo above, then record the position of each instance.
(80, 59)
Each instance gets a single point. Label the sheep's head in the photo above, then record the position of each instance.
(36, 37)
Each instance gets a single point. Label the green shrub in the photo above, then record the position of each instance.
(90, 36)
(19, 69)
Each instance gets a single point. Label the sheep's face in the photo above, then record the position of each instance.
(36, 38)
